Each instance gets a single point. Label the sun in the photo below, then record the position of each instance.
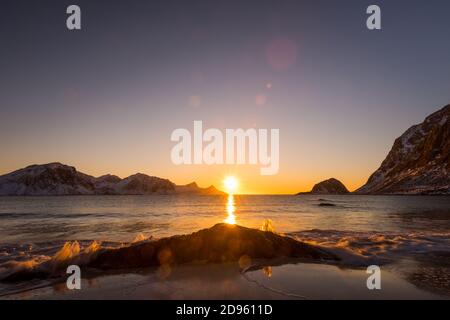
(231, 184)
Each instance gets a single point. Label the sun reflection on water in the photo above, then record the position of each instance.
(231, 218)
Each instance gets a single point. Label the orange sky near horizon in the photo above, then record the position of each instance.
(250, 181)
(303, 162)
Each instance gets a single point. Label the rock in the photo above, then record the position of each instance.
(330, 186)
(419, 161)
(325, 204)
(221, 243)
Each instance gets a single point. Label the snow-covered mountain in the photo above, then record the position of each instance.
(60, 179)
(419, 161)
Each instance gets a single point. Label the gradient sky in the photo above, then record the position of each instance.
(106, 99)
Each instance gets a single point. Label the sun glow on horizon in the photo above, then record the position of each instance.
(231, 184)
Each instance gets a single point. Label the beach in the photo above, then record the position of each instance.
(225, 281)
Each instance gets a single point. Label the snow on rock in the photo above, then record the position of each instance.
(418, 162)
(59, 179)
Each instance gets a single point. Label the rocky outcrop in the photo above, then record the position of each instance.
(59, 179)
(221, 243)
(330, 186)
(419, 161)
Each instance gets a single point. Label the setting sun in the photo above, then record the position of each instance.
(230, 183)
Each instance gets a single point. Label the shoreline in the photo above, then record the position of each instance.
(300, 281)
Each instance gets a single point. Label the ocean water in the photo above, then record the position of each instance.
(122, 218)
(362, 229)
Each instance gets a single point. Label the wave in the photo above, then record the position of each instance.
(355, 247)
(37, 266)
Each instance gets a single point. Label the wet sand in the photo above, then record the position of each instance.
(225, 281)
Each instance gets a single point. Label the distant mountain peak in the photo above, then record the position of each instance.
(194, 188)
(59, 179)
(47, 166)
(192, 184)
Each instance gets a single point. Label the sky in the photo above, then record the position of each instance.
(106, 98)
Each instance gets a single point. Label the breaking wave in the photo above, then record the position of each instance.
(22, 262)
(361, 248)
(26, 261)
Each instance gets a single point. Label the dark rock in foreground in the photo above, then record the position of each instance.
(221, 243)
(330, 186)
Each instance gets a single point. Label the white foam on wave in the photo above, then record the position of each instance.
(141, 238)
(375, 247)
(70, 253)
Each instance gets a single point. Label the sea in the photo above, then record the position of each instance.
(361, 229)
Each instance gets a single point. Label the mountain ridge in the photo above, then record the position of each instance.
(418, 162)
(59, 179)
